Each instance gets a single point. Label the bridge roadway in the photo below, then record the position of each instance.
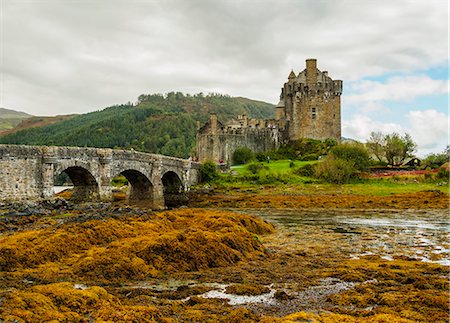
(28, 173)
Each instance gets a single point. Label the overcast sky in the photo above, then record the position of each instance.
(75, 56)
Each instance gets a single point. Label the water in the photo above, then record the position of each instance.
(59, 189)
(417, 234)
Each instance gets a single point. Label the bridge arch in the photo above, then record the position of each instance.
(85, 186)
(173, 189)
(140, 188)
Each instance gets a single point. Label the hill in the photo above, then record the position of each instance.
(11, 118)
(156, 123)
(33, 121)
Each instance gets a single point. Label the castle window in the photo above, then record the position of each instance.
(313, 113)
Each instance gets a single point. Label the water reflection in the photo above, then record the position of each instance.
(418, 234)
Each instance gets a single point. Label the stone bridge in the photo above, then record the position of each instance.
(28, 172)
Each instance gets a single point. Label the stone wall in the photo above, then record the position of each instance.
(27, 172)
(311, 104)
(20, 172)
(220, 147)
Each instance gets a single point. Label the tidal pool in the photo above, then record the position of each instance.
(417, 234)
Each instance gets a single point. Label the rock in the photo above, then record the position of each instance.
(281, 295)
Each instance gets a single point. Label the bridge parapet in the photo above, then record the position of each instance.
(27, 172)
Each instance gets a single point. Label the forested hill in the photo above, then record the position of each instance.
(156, 123)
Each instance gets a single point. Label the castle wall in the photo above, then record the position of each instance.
(221, 146)
(316, 116)
(312, 104)
(309, 107)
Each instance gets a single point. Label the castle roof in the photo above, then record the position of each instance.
(292, 75)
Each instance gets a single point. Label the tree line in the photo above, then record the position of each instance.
(156, 123)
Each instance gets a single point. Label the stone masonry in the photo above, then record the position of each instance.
(28, 172)
(309, 107)
(310, 104)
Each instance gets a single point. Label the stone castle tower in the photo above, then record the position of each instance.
(310, 104)
(309, 107)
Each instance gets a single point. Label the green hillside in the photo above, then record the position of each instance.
(157, 123)
(11, 118)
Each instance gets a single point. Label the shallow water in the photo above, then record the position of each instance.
(418, 234)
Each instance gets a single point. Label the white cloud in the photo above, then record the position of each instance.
(428, 128)
(399, 88)
(64, 56)
(360, 126)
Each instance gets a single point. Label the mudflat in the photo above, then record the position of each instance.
(359, 261)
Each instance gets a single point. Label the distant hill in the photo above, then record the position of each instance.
(12, 114)
(156, 123)
(11, 118)
(32, 122)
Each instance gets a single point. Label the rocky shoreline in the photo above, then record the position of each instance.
(129, 263)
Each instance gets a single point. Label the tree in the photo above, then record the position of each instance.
(243, 155)
(376, 143)
(391, 147)
(398, 148)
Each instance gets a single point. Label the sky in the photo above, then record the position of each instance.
(77, 56)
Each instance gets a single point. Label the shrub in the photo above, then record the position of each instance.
(243, 155)
(443, 174)
(303, 149)
(255, 168)
(428, 176)
(307, 170)
(434, 161)
(354, 153)
(208, 171)
(265, 178)
(262, 157)
(335, 170)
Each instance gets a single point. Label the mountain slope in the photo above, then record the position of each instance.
(32, 122)
(11, 118)
(158, 124)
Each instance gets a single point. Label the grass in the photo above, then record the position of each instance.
(276, 166)
(280, 179)
(369, 187)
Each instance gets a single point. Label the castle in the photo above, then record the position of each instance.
(309, 107)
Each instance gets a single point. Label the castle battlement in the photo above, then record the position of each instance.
(309, 107)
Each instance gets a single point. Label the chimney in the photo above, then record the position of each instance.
(311, 71)
(213, 123)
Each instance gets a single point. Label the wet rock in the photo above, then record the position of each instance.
(281, 295)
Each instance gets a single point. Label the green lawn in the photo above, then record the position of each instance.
(277, 166)
(279, 179)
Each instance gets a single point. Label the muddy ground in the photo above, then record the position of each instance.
(113, 263)
(264, 198)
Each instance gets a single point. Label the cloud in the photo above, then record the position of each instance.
(398, 88)
(360, 126)
(428, 128)
(63, 56)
